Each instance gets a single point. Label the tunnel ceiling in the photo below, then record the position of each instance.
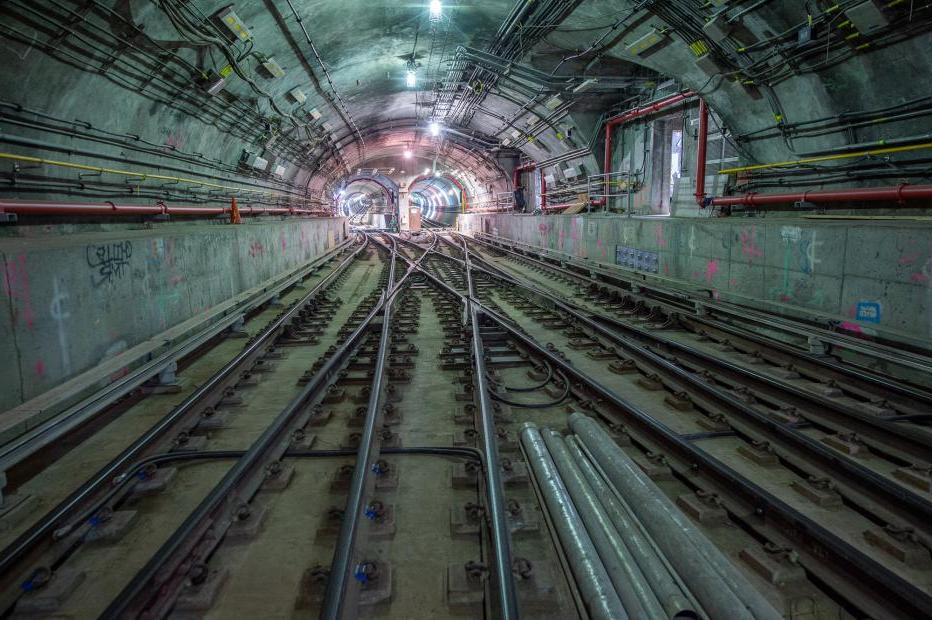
(322, 84)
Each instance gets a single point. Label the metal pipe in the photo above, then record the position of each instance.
(721, 589)
(664, 586)
(702, 143)
(632, 588)
(110, 208)
(897, 193)
(630, 115)
(601, 599)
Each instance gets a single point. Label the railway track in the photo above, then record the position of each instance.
(381, 447)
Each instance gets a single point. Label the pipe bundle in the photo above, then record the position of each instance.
(632, 553)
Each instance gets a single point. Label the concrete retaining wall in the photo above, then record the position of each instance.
(872, 276)
(71, 301)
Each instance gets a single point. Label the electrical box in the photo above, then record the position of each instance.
(645, 43)
(553, 103)
(506, 141)
(718, 28)
(867, 17)
(515, 134)
(237, 30)
(214, 84)
(709, 64)
(279, 171)
(571, 172)
(273, 68)
(550, 179)
(315, 114)
(254, 161)
(298, 95)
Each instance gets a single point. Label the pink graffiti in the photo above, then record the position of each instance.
(256, 249)
(174, 140)
(732, 283)
(40, 368)
(658, 232)
(919, 278)
(282, 240)
(909, 259)
(852, 327)
(711, 269)
(16, 286)
(598, 244)
(749, 246)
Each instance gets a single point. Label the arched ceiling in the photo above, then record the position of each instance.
(502, 77)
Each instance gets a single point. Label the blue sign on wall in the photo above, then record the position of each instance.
(868, 311)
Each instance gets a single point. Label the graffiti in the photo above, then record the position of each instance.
(59, 314)
(711, 269)
(749, 247)
(16, 284)
(40, 368)
(658, 233)
(110, 261)
(256, 249)
(284, 242)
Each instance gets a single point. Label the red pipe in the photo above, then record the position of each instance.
(516, 180)
(701, 150)
(109, 208)
(630, 115)
(898, 193)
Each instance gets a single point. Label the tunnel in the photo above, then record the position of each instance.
(487, 309)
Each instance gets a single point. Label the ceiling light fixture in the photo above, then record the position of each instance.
(411, 78)
(407, 154)
(426, 170)
(436, 9)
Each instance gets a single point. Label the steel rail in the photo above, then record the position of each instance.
(501, 540)
(46, 526)
(161, 571)
(832, 559)
(907, 359)
(859, 374)
(335, 604)
(891, 496)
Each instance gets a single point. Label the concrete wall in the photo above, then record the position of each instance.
(71, 301)
(872, 276)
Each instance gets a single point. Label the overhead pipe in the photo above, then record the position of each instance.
(721, 589)
(702, 143)
(630, 115)
(109, 208)
(516, 180)
(897, 193)
(601, 599)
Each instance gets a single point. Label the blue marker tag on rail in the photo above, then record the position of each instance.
(868, 311)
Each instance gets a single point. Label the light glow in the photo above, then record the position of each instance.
(426, 170)
(411, 78)
(407, 154)
(434, 128)
(436, 8)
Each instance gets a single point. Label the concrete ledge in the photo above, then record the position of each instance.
(76, 302)
(101, 385)
(866, 277)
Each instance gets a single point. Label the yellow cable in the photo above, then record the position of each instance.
(809, 160)
(140, 175)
